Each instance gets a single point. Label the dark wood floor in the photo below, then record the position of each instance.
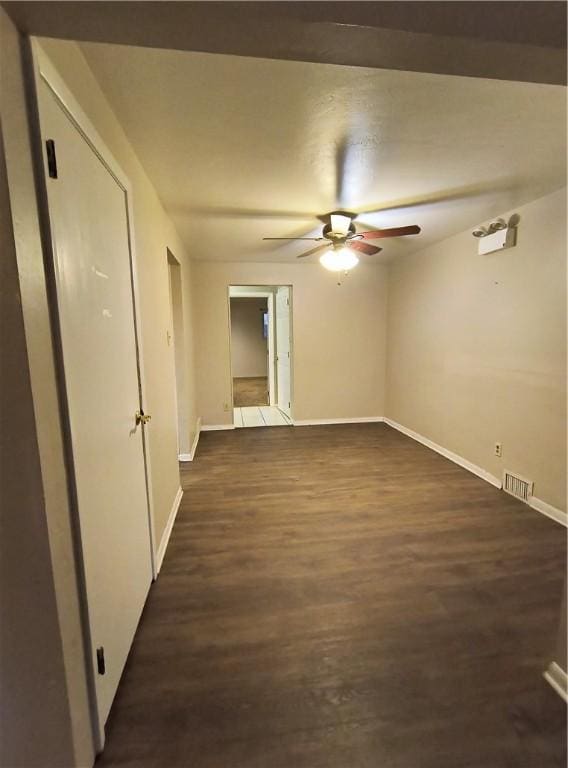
(250, 391)
(342, 597)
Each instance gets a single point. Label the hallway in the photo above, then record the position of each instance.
(250, 391)
(375, 605)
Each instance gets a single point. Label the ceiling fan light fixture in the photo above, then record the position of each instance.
(340, 224)
(339, 260)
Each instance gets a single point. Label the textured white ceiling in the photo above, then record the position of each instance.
(241, 148)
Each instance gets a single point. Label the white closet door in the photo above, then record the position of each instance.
(90, 229)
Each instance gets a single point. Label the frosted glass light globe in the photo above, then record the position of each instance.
(339, 260)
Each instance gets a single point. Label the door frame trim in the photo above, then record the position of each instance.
(270, 345)
(270, 293)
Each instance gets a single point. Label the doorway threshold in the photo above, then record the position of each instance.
(260, 416)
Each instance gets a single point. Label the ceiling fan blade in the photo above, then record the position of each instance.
(312, 250)
(242, 213)
(392, 232)
(292, 238)
(454, 194)
(357, 245)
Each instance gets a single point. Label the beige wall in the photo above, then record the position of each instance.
(43, 691)
(154, 235)
(248, 346)
(31, 652)
(477, 348)
(338, 337)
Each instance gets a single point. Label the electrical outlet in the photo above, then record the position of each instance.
(226, 407)
(498, 449)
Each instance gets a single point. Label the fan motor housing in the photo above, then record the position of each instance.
(327, 233)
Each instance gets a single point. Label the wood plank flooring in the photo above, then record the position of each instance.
(250, 391)
(342, 597)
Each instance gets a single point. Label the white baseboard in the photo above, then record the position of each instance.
(168, 530)
(448, 454)
(541, 506)
(196, 438)
(318, 422)
(558, 679)
(547, 509)
(191, 455)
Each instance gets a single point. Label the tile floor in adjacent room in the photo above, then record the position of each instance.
(260, 416)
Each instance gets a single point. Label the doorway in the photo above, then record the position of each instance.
(176, 339)
(260, 334)
(249, 347)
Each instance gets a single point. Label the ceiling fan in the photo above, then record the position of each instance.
(339, 232)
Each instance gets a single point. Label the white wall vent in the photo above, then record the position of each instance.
(517, 486)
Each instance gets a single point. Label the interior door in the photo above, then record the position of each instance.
(283, 348)
(272, 393)
(93, 271)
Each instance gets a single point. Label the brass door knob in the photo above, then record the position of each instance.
(142, 418)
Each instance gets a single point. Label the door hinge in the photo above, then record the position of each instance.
(101, 669)
(51, 159)
(289, 405)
